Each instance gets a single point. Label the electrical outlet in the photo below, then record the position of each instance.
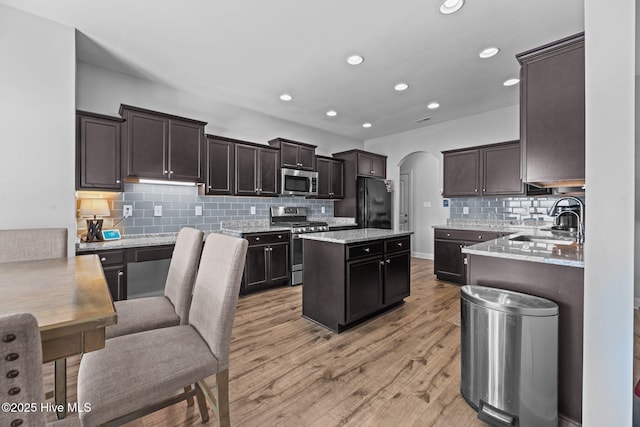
(157, 210)
(198, 210)
(465, 210)
(127, 211)
(426, 204)
(253, 210)
(322, 209)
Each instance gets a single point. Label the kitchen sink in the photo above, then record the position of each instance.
(543, 239)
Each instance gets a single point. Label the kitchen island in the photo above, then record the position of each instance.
(353, 275)
(533, 263)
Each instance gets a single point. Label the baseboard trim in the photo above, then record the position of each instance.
(421, 255)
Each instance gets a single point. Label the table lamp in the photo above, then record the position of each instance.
(94, 207)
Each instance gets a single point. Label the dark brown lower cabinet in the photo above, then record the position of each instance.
(345, 284)
(364, 288)
(267, 262)
(114, 265)
(450, 263)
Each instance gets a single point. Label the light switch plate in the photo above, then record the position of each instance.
(157, 210)
(322, 209)
(127, 211)
(198, 210)
(253, 210)
(465, 210)
(426, 204)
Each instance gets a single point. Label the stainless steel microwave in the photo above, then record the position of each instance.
(299, 183)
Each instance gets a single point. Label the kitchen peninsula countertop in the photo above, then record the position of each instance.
(544, 252)
(354, 236)
(132, 241)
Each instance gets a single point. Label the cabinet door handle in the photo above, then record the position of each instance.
(479, 237)
(257, 238)
(165, 172)
(461, 246)
(209, 187)
(170, 172)
(103, 259)
(280, 236)
(400, 244)
(366, 250)
(120, 273)
(476, 190)
(484, 189)
(117, 181)
(381, 262)
(388, 261)
(448, 234)
(373, 171)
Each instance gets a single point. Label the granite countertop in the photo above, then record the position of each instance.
(133, 241)
(354, 236)
(544, 252)
(242, 227)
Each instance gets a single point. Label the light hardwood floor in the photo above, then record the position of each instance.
(400, 369)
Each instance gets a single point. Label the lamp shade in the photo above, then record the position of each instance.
(94, 207)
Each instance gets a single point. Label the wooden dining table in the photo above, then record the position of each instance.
(71, 301)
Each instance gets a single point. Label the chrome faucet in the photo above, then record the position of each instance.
(553, 211)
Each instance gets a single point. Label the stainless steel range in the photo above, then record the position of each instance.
(295, 217)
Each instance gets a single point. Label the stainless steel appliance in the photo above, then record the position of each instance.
(509, 346)
(295, 217)
(296, 182)
(374, 203)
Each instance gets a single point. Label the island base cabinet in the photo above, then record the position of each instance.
(397, 278)
(345, 284)
(364, 288)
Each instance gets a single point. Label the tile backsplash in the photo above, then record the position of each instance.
(503, 208)
(179, 205)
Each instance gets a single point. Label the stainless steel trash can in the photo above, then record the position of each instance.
(509, 345)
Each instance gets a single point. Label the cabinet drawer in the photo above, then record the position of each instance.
(403, 243)
(111, 257)
(363, 250)
(264, 239)
(467, 235)
(150, 253)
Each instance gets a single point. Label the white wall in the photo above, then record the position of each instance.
(102, 91)
(486, 128)
(37, 118)
(425, 169)
(637, 192)
(608, 287)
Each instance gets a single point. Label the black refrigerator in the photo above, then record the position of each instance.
(374, 203)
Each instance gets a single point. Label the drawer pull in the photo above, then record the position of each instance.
(448, 234)
(103, 259)
(400, 244)
(388, 261)
(367, 250)
(381, 262)
(280, 236)
(257, 238)
(479, 237)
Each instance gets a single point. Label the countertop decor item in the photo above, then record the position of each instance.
(95, 208)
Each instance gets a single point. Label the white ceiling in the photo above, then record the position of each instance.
(249, 52)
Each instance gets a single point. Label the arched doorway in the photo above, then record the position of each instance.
(420, 200)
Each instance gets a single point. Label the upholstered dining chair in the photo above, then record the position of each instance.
(172, 308)
(21, 372)
(32, 243)
(139, 373)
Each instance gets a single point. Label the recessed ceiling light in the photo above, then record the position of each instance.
(286, 97)
(489, 52)
(401, 86)
(511, 82)
(433, 105)
(451, 6)
(355, 60)
(331, 113)
(366, 125)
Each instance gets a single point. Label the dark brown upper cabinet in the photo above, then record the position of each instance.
(489, 170)
(357, 163)
(219, 152)
(256, 170)
(294, 154)
(162, 146)
(98, 152)
(330, 177)
(552, 113)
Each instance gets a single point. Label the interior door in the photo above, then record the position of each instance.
(404, 211)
